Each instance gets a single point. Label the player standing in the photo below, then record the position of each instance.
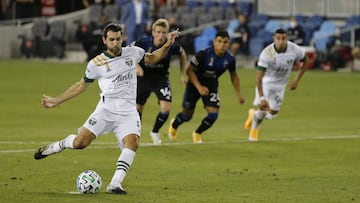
(116, 112)
(155, 77)
(273, 70)
(204, 70)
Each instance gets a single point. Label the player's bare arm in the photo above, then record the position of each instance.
(183, 60)
(293, 85)
(157, 55)
(76, 89)
(195, 81)
(235, 80)
(264, 105)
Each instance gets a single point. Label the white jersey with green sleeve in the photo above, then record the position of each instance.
(117, 77)
(277, 65)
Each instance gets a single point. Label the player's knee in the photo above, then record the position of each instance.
(131, 142)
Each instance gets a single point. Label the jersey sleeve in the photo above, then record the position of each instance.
(197, 59)
(139, 54)
(262, 62)
(91, 72)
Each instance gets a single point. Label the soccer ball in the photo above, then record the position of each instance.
(89, 182)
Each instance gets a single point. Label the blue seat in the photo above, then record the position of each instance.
(205, 39)
(245, 7)
(255, 46)
(231, 26)
(321, 41)
(272, 25)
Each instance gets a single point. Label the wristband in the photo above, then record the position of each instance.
(262, 98)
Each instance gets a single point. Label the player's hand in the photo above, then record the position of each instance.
(203, 91)
(183, 80)
(172, 36)
(264, 105)
(293, 85)
(48, 102)
(241, 100)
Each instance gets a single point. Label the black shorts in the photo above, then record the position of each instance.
(192, 95)
(161, 87)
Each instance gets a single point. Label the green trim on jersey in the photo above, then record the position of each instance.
(261, 68)
(108, 55)
(304, 59)
(88, 79)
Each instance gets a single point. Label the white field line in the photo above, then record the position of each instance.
(103, 145)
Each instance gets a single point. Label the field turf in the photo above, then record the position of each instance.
(309, 153)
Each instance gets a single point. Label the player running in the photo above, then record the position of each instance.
(273, 70)
(204, 70)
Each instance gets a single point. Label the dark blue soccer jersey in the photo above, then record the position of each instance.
(208, 67)
(159, 70)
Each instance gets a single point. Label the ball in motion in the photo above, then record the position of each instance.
(89, 182)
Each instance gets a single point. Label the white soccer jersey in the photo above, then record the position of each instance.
(117, 78)
(279, 65)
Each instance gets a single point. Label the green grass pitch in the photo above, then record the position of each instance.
(309, 153)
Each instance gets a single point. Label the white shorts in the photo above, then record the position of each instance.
(273, 96)
(102, 121)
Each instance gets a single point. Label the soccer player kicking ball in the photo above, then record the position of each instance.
(115, 70)
(273, 70)
(204, 70)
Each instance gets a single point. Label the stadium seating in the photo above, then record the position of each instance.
(205, 39)
(322, 38)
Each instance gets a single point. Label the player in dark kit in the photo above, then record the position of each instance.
(204, 70)
(155, 77)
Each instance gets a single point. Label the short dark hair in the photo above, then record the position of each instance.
(223, 34)
(280, 31)
(111, 27)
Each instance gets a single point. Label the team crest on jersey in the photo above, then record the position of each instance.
(129, 62)
(92, 121)
(290, 61)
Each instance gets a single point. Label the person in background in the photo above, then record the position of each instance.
(116, 112)
(203, 72)
(296, 32)
(240, 36)
(135, 19)
(273, 70)
(155, 77)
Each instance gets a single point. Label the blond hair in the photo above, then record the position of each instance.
(162, 23)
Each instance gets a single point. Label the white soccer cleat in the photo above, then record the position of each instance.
(155, 138)
(45, 151)
(115, 189)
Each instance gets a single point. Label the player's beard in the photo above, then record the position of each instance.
(115, 50)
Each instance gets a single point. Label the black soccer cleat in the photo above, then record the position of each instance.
(39, 153)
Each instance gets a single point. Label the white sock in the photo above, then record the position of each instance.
(67, 143)
(258, 118)
(122, 166)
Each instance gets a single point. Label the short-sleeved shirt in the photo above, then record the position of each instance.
(208, 67)
(277, 65)
(117, 77)
(161, 69)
